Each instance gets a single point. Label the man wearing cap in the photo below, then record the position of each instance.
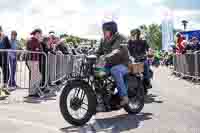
(34, 45)
(4, 44)
(117, 58)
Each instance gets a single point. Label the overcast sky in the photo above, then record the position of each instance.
(85, 17)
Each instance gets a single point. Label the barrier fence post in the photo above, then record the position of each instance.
(174, 62)
(197, 67)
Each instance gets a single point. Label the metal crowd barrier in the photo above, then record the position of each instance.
(197, 62)
(77, 62)
(36, 70)
(187, 65)
(59, 65)
(23, 69)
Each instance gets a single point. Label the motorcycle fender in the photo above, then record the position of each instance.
(77, 81)
(134, 82)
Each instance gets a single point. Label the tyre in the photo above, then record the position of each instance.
(136, 102)
(82, 98)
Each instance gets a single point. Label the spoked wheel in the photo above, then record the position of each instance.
(77, 103)
(136, 102)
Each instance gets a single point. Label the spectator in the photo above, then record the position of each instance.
(74, 50)
(180, 46)
(4, 44)
(157, 58)
(42, 61)
(61, 47)
(194, 45)
(34, 45)
(42, 64)
(51, 64)
(46, 47)
(173, 48)
(52, 40)
(12, 57)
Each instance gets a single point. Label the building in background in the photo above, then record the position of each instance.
(167, 31)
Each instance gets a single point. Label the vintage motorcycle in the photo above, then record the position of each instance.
(94, 90)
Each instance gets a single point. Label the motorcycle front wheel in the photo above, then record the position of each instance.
(136, 100)
(77, 103)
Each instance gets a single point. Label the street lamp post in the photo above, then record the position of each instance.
(185, 22)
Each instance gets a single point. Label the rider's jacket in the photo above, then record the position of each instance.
(138, 48)
(107, 47)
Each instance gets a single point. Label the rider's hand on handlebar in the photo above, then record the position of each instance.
(112, 53)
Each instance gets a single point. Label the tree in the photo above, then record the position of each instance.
(153, 35)
(184, 22)
(63, 35)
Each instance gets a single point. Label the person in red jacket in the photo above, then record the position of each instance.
(33, 60)
(180, 45)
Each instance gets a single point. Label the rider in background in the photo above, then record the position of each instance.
(117, 58)
(138, 49)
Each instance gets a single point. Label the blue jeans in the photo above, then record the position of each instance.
(118, 72)
(146, 70)
(12, 67)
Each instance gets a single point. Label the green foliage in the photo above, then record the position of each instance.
(75, 40)
(153, 35)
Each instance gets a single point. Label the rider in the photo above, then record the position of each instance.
(117, 58)
(139, 48)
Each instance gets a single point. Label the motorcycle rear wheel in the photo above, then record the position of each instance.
(65, 109)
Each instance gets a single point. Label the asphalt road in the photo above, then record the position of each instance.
(172, 106)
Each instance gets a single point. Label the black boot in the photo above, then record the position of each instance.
(148, 84)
